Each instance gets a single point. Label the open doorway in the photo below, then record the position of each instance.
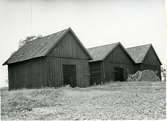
(69, 75)
(118, 74)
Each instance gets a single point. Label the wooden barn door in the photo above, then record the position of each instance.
(69, 75)
(95, 71)
(119, 74)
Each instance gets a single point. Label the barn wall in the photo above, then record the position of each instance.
(105, 69)
(150, 62)
(151, 58)
(26, 74)
(118, 58)
(55, 73)
(109, 70)
(69, 47)
(67, 51)
(46, 72)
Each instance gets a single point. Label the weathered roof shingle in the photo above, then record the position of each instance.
(39, 47)
(100, 52)
(138, 53)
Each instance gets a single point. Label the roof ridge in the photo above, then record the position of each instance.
(149, 44)
(54, 33)
(116, 44)
(49, 35)
(146, 53)
(104, 45)
(138, 53)
(32, 53)
(101, 52)
(64, 32)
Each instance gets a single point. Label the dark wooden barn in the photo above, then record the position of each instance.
(145, 58)
(51, 61)
(110, 63)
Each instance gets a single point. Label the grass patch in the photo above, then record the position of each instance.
(117, 100)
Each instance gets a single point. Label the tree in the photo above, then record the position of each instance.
(28, 39)
(24, 41)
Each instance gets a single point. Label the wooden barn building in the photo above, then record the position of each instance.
(110, 63)
(61, 59)
(51, 61)
(145, 57)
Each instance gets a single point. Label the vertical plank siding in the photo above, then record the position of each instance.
(109, 70)
(68, 48)
(150, 62)
(69, 52)
(55, 73)
(151, 58)
(48, 71)
(117, 58)
(26, 74)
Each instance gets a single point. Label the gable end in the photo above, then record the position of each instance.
(151, 57)
(117, 48)
(69, 47)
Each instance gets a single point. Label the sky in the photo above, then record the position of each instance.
(95, 22)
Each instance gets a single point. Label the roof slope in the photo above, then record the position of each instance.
(100, 52)
(39, 47)
(138, 53)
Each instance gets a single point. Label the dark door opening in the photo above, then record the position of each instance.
(69, 75)
(95, 71)
(119, 74)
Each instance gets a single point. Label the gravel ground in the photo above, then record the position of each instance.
(118, 100)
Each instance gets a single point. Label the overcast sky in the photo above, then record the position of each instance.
(95, 22)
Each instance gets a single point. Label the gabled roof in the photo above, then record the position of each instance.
(99, 53)
(138, 53)
(40, 47)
